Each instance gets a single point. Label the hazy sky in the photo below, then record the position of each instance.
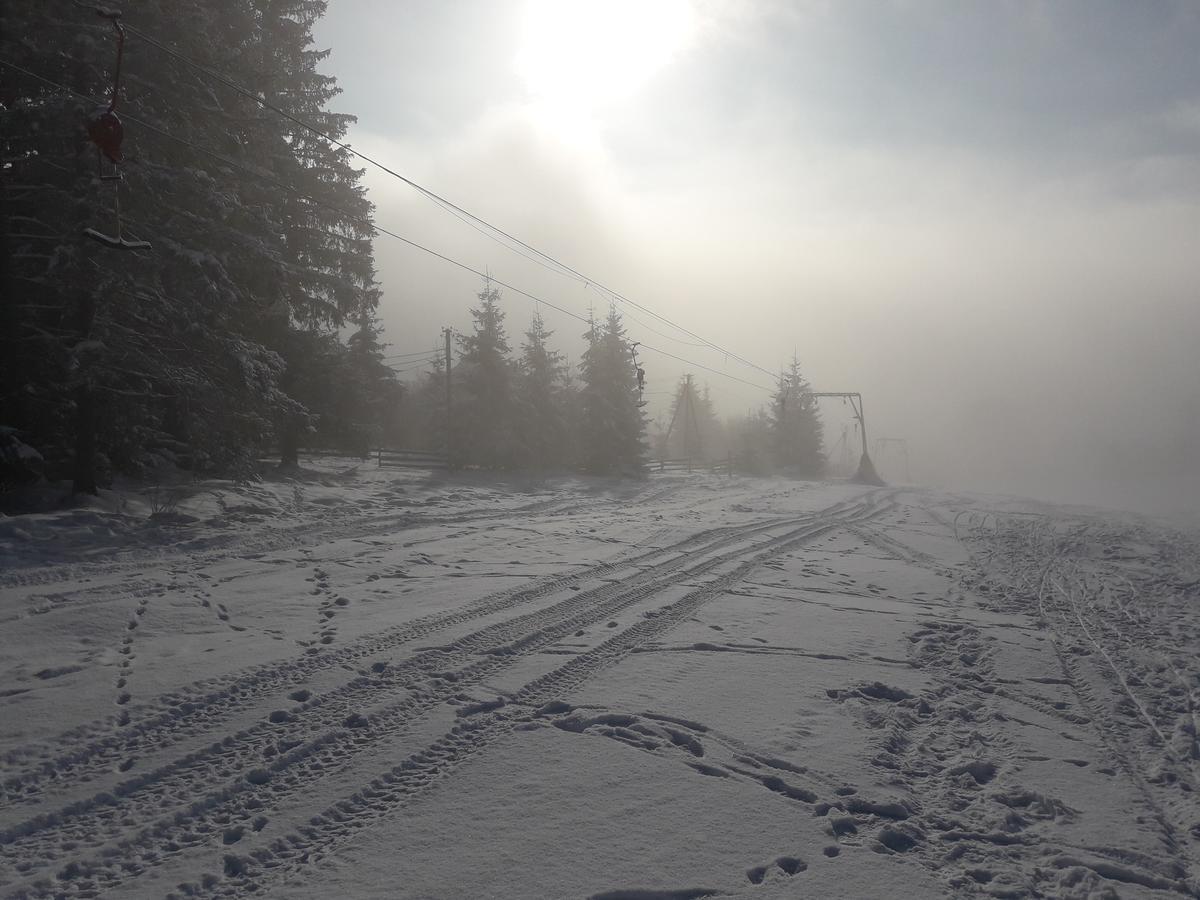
(985, 216)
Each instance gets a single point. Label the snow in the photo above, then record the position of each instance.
(371, 683)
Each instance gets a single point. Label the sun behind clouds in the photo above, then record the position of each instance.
(584, 54)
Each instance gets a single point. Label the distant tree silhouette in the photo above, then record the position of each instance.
(543, 398)
(483, 416)
(796, 430)
(612, 430)
(751, 443)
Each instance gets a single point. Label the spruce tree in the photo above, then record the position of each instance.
(796, 430)
(483, 423)
(138, 357)
(543, 396)
(424, 411)
(374, 395)
(751, 442)
(612, 427)
(175, 354)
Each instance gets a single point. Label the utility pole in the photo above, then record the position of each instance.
(698, 441)
(690, 431)
(449, 382)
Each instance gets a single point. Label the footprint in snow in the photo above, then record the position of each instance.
(784, 866)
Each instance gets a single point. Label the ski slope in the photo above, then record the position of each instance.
(370, 684)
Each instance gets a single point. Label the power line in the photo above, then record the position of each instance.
(416, 353)
(400, 370)
(404, 365)
(354, 217)
(634, 318)
(437, 198)
(705, 368)
(360, 219)
(423, 361)
(455, 210)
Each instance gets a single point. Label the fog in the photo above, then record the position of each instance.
(984, 217)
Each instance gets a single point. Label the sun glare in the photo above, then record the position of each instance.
(587, 53)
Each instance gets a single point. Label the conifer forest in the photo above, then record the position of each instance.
(247, 328)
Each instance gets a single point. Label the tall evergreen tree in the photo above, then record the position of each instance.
(424, 411)
(483, 418)
(751, 442)
(612, 430)
(329, 277)
(543, 401)
(796, 430)
(130, 359)
(375, 396)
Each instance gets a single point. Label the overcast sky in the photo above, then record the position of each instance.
(985, 216)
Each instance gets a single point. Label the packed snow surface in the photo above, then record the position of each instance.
(370, 683)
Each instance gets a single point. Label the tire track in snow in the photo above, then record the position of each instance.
(234, 544)
(672, 559)
(100, 747)
(238, 805)
(423, 770)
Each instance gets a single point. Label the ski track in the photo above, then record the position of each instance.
(188, 711)
(214, 789)
(204, 552)
(1119, 628)
(1054, 571)
(144, 589)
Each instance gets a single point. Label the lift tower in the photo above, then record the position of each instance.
(866, 473)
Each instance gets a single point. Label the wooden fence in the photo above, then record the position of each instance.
(409, 459)
(721, 467)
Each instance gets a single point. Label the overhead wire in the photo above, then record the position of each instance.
(434, 352)
(219, 77)
(460, 212)
(429, 360)
(367, 222)
(689, 362)
(297, 192)
(669, 337)
(405, 369)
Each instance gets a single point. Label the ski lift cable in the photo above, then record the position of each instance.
(366, 221)
(634, 318)
(437, 198)
(689, 362)
(350, 216)
(478, 224)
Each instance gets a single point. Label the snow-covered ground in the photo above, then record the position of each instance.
(366, 683)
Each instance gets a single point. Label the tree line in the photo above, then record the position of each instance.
(251, 325)
(227, 335)
(527, 409)
(785, 436)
